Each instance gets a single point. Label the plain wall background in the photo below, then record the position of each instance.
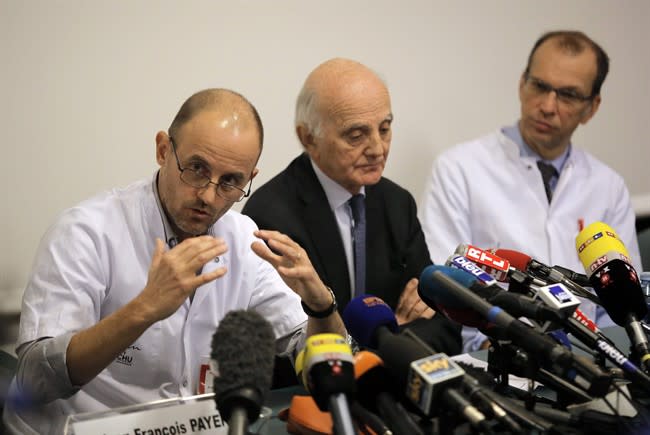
(87, 84)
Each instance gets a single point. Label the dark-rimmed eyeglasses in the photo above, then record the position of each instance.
(567, 96)
(199, 178)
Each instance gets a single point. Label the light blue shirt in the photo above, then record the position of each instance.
(338, 197)
(514, 134)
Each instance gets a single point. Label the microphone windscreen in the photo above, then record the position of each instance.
(598, 244)
(364, 315)
(517, 259)
(610, 272)
(438, 298)
(365, 361)
(433, 295)
(617, 285)
(243, 348)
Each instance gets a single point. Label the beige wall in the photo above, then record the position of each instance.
(87, 83)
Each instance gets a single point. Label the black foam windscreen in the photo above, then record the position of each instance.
(617, 285)
(243, 348)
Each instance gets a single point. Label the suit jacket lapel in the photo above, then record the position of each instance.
(376, 230)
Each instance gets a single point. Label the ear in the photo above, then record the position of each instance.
(590, 110)
(163, 145)
(254, 173)
(305, 136)
(522, 82)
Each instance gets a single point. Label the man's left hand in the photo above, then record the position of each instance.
(410, 306)
(295, 268)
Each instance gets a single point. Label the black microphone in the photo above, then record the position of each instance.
(242, 352)
(371, 322)
(327, 371)
(437, 286)
(377, 391)
(425, 377)
(555, 274)
(556, 296)
(516, 304)
(615, 281)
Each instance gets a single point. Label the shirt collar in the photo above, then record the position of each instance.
(170, 236)
(336, 194)
(513, 133)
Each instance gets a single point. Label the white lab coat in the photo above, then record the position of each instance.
(485, 193)
(95, 259)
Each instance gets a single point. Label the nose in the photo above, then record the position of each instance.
(549, 103)
(208, 194)
(376, 145)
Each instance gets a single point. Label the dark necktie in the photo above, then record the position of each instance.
(548, 172)
(359, 242)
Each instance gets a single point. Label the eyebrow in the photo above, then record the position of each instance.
(364, 126)
(564, 88)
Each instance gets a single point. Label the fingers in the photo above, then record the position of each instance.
(205, 278)
(409, 297)
(281, 251)
(410, 306)
(195, 252)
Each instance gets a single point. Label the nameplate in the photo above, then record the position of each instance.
(200, 417)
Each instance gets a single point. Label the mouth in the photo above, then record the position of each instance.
(542, 126)
(196, 212)
(371, 167)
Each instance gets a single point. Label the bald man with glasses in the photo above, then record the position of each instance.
(128, 287)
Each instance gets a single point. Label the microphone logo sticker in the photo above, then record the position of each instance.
(372, 301)
(559, 293)
(467, 265)
(598, 262)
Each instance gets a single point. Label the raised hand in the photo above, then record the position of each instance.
(173, 274)
(293, 265)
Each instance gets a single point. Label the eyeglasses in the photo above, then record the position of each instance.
(566, 96)
(199, 178)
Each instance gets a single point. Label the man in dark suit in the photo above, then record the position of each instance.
(343, 120)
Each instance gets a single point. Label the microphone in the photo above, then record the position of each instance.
(433, 380)
(496, 266)
(362, 415)
(526, 263)
(328, 374)
(414, 368)
(376, 391)
(561, 300)
(615, 281)
(364, 316)
(444, 284)
(549, 293)
(242, 353)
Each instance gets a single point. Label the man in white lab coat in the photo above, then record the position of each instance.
(525, 186)
(129, 286)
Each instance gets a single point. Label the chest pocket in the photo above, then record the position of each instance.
(140, 363)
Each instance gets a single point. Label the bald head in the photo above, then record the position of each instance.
(327, 85)
(218, 100)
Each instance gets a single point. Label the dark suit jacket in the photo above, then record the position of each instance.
(294, 203)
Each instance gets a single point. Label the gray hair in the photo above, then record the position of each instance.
(307, 110)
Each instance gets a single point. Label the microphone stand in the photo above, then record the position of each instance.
(341, 419)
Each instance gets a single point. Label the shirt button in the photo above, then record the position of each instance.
(185, 382)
